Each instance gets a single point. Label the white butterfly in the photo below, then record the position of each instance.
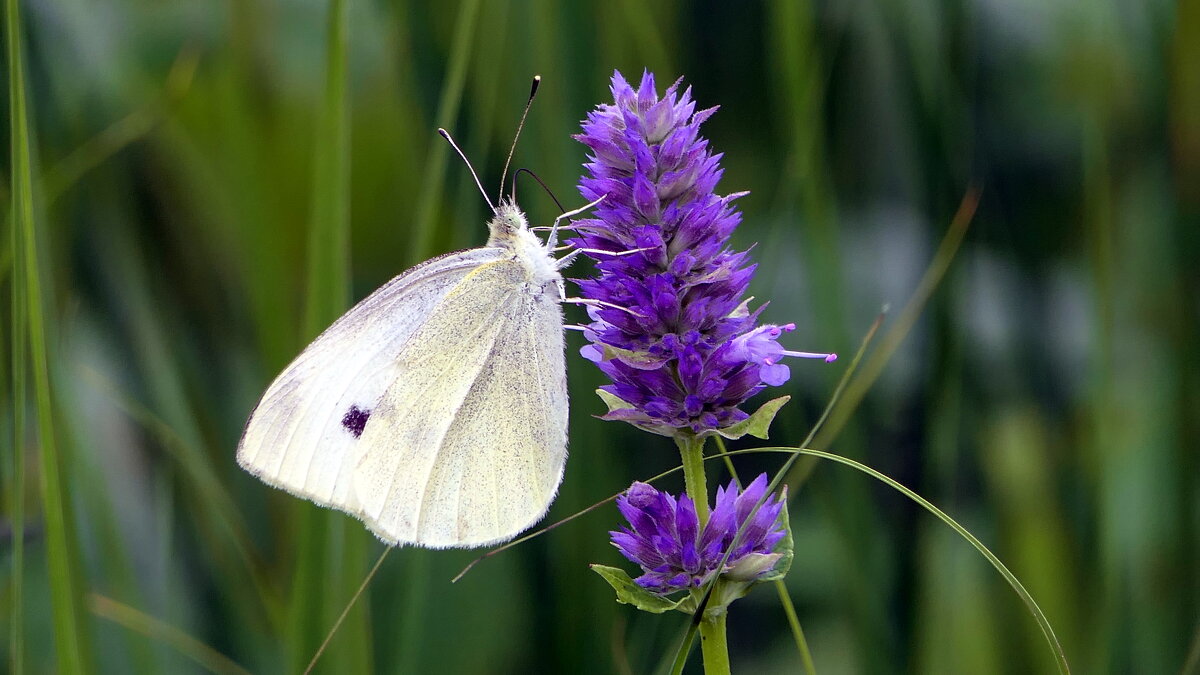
(436, 409)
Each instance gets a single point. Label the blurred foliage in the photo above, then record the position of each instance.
(1048, 399)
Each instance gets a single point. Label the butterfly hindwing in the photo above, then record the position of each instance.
(472, 450)
(519, 475)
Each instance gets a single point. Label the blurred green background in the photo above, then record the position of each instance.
(189, 156)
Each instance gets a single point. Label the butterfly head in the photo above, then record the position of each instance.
(506, 222)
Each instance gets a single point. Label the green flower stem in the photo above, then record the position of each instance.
(691, 450)
(713, 645)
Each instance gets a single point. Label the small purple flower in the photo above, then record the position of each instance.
(665, 539)
(674, 335)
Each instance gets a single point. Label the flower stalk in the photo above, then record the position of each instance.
(673, 330)
(691, 451)
(714, 646)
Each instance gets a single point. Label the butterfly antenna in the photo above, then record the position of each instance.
(537, 79)
(446, 135)
(521, 170)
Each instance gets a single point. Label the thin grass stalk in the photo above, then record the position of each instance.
(1051, 638)
(447, 110)
(789, 610)
(331, 555)
(873, 367)
(408, 650)
(785, 599)
(685, 648)
(1043, 623)
(160, 631)
(201, 481)
(61, 552)
(345, 612)
(122, 133)
(20, 340)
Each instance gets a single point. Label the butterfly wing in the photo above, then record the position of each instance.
(301, 435)
(470, 449)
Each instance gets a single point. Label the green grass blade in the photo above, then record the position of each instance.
(1043, 623)
(904, 322)
(789, 609)
(329, 233)
(332, 556)
(19, 336)
(1192, 664)
(140, 622)
(65, 586)
(120, 134)
(205, 486)
(409, 646)
(853, 386)
(685, 648)
(785, 599)
(439, 152)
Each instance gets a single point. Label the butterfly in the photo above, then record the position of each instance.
(435, 410)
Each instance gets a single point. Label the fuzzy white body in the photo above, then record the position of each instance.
(457, 368)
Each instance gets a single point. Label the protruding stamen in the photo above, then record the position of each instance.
(829, 358)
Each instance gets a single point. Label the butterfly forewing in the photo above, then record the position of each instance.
(436, 409)
(302, 435)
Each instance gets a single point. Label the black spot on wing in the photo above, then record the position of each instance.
(355, 420)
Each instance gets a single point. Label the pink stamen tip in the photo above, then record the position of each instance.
(829, 358)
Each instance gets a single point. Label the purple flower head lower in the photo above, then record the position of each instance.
(665, 539)
(674, 333)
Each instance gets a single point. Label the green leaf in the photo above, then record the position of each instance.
(784, 546)
(612, 401)
(31, 288)
(630, 593)
(757, 424)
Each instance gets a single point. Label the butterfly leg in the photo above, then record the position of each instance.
(552, 240)
(569, 258)
(601, 303)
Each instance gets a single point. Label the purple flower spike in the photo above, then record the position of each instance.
(665, 539)
(674, 335)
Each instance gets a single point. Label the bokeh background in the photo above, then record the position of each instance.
(186, 163)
